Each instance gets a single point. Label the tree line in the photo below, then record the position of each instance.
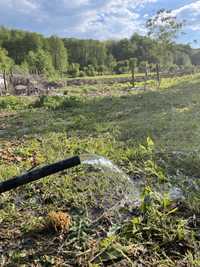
(27, 52)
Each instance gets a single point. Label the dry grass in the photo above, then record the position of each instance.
(59, 221)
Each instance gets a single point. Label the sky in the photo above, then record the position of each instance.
(97, 19)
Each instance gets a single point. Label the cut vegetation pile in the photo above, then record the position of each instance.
(152, 135)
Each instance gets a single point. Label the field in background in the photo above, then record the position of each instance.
(124, 75)
(152, 134)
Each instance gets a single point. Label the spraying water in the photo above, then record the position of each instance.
(124, 190)
(102, 163)
(131, 190)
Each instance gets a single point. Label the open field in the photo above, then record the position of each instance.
(153, 135)
(125, 78)
(124, 75)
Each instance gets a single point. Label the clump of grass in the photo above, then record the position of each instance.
(156, 235)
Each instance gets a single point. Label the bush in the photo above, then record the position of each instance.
(12, 102)
(173, 68)
(90, 70)
(82, 74)
(56, 102)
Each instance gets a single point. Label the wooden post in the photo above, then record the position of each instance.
(158, 74)
(146, 76)
(4, 80)
(133, 76)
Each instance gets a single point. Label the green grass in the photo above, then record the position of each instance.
(124, 75)
(151, 135)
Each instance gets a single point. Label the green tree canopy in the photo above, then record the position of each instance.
(5, 62)
(164, 28)
(39, 62)
(58, 53)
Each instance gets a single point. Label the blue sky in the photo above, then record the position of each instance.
(99, 19)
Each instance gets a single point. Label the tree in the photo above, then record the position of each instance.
(145, 48)
(110, 62)
(122, 67)
(22, 69)
(104, 56)
(40, 62)
(58, 53)
(4, 35)
(181, 58)
(132, 66)
(86, 52)
(164, 28)
(5, 65)
(101, 69)
(19, 43)
(123, 49)
(196, 58)
(74, 70)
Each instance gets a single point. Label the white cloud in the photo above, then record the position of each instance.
(75, 3)
(115, 19)
(191, 14)
(86, 18)
(20, 5)
(101, 19)
(193, 7)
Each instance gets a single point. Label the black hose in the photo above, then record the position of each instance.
(39, 173)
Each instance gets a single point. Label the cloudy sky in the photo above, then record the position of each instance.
(99, 19)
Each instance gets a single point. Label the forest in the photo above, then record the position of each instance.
(27, 52)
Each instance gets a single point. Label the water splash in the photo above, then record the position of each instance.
(107, 166)
(175, 193)
(132, 189)
(130, 194)
(102, 163)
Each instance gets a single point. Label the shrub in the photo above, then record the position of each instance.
(82, 74)
(90, 70)
(12, 102)
(56, 102)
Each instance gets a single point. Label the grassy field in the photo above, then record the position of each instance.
(153, 135)
(124, 75)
